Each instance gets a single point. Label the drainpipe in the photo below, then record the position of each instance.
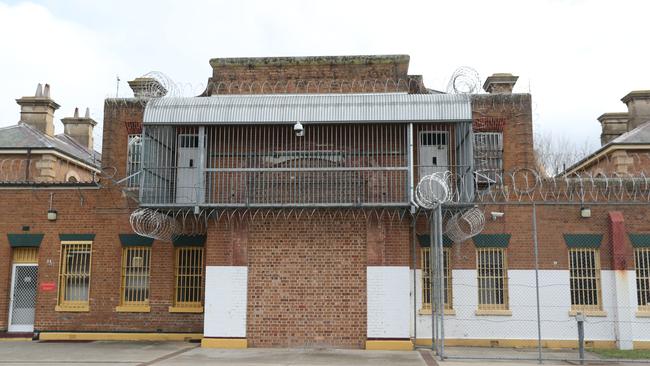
(29, 161)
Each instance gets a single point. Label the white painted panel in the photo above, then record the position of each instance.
(226, 291)
(388, 301)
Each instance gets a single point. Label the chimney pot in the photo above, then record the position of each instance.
(638, 107)
(38, 110)
(80, 129)
(500, 83)
(146, 87)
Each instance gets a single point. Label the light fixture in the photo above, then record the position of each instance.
(585, 212)
(496, 215)
(51, 213)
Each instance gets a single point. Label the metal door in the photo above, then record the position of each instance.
(23, 297)
(434, 152)
(188, 158)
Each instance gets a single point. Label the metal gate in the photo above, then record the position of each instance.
(23, 298)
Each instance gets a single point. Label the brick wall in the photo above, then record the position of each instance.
(86, 211)
(307, 283)
(333, 74)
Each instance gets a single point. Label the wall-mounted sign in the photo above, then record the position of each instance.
(48, 286)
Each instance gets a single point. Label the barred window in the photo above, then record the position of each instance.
(426, 278)
(492, 268)
(488, 156)
(74, 275)
(135, 276)
(189, 277)
(642, 266)
(133, 155)
(584, 272)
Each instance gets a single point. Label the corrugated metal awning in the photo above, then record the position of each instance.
(244, 109)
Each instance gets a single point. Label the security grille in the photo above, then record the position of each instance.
(135, 276)
(24, 297)
(74, 274)
(25, 255)
(133, 155)
(642, 265)
(488, 156)
(426, 278)
(492, 279)
(189, 277)
(584, 270)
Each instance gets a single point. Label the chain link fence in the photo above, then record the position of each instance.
(547, 281)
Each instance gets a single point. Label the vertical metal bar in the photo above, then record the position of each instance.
(539, 317)
(440, 268)
(432, 236)
(200, 171)
(580, 318)
(411, 184)
(415, 293)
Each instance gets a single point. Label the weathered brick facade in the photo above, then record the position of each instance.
(306, 275)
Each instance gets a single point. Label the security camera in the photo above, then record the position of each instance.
(298, 129)
(495, 215)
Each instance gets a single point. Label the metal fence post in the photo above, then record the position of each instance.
(580, 318)
(539, 321)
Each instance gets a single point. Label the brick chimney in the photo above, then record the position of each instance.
(80, 128)
(38, 111)
(638, 108)
(613, 125)
(500, 83)
(145, 87)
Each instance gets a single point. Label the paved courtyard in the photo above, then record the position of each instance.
(182, 353)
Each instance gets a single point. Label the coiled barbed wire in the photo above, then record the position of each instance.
(464, 80)
(432, 190)
(464, 225)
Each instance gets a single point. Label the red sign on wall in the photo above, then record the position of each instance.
(48, 286)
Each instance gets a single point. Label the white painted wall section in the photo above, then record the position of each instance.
(226, 290)
(555, 301)
(388, 301)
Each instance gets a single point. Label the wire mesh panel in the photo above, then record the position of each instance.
(584, 270)
(189, 277)
(135, 276)
(492, 278)
(642, 268)
(74, 274)
(488, 157)
(23, 302)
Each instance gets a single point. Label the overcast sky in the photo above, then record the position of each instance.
(577, 58)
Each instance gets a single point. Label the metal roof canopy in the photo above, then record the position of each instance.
(323, 108)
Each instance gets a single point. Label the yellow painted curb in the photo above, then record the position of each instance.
(17, 339)
(228, 343)
(389, 345)
(73, 336)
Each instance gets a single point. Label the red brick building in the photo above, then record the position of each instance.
(280, 209)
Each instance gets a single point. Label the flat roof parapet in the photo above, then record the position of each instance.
(310, 60)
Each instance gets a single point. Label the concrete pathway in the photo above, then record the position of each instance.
(182, 353)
